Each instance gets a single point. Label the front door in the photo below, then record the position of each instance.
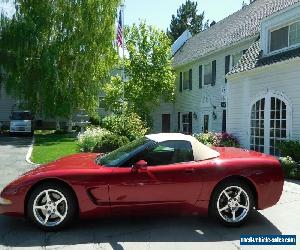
(166, 123)
(268, 124)
(171, 182)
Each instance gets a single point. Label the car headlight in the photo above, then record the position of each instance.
(5, 201)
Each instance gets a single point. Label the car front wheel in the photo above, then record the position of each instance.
(232, 203)
(51, 206)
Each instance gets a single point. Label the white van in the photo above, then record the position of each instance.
(21, 122)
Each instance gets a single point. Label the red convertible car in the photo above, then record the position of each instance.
(159, 173)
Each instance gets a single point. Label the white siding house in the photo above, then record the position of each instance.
(7, 103)
(264, 88)
(201, 65)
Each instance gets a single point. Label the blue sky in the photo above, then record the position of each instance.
(159, 12)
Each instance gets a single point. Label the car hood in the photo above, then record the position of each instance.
(72, 162)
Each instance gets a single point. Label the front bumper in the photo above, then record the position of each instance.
(5, 205)
(20, 130)
(11, 205)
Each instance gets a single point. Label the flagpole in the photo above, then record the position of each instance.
(123, 62)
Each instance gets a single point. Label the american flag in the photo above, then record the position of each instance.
(120, 31)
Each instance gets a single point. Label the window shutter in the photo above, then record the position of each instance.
(180, 82)
(213, 72)
(200, 76)
(190, 79)
(190, 122)
(227, 65)
(178, 122)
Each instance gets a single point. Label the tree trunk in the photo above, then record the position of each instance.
(70, 125)
(57, 124)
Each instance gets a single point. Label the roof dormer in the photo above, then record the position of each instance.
(281, 31)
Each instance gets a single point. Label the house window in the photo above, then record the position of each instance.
(187, 123)
(279, 38)
(186, 80)
(285, 37)
(207, 74)
(294, 35)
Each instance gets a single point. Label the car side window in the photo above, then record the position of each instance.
(168, 152)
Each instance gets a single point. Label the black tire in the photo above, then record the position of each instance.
(246, 200)
(67, 207)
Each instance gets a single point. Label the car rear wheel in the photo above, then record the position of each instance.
(51, 206)
(232, 203)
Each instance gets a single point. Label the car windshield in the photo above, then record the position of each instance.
(117, 157)
(21, 116)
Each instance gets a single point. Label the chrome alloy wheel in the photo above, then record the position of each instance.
(50, 207)
(233, 204)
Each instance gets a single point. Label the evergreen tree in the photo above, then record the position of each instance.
(186, 18)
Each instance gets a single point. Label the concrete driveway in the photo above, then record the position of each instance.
(141, 233)
(12, 157)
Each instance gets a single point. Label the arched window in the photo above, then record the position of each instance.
(269, 123)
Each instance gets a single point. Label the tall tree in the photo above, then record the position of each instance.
(149, 72)
(57, 52)
(186, 18)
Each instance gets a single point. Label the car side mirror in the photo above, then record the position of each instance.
(139, 166)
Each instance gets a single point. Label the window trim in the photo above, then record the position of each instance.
(288, 24)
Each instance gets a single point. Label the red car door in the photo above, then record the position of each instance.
(170, 182)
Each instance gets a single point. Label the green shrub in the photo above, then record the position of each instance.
(110, 142)
(290, 167)
(217, 139)
(290, 148)
(89, 139)
(94, 120)
(129, 125)
(206, 138)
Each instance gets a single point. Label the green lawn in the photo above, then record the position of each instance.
(49, 146)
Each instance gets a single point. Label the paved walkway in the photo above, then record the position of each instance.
(142, 233)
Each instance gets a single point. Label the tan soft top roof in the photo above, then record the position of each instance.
(201, 152)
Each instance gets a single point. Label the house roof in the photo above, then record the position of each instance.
(239, 26)
(253, 58)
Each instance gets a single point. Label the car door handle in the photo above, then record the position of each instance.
(190, 171)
